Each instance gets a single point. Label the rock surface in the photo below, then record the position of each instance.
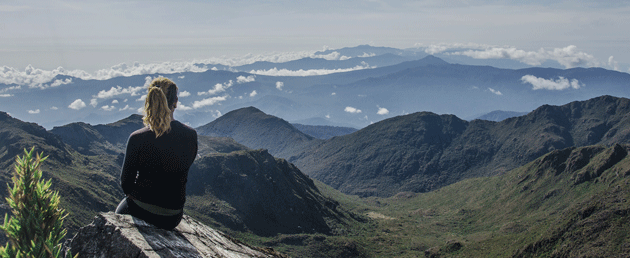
(114, 235)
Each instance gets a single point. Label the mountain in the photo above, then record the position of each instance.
(323, 132)
(320, 63)
(255, 129)
(253, 191)
(87, 184)
(424, 83)
(423, 151)
(500, 115)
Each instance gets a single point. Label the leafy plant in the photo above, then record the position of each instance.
(35, 228)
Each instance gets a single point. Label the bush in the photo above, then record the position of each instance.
(35, 228)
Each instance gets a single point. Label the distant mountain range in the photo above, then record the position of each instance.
(378, 83)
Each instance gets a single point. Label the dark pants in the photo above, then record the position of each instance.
(127, 206)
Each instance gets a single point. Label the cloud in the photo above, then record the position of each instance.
(219, 87)
(613, 64)
(253, 94)
(77, 104)
(367, 55)
(352, 110)
(93, 102)
(312, 72)
(61, 82)
(495, 91)
(181, 106)
(181, 77)
(568, 56)
(382, 111)
(243, 79)
(108, 108)
(115, 101)
(36, 111)
(333, 94)
(208, 102)
(328, 116)
(54, 108)
(6, 95)
(10, 88)
(142, 98)
(125, 108)
(184, 94)
(279, 85)
(115, 91)
(560, 84)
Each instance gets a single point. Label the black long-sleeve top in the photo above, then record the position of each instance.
(155, 170)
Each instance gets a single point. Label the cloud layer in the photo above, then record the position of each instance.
(569, 56)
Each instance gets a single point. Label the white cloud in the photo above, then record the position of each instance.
(184, 94)
(495, 91)
(253, 94)
(77, 104)
(142, 98)
(108, 108)
(125, 108)
(279, 85)
(208, 102)
(613, 64)
(54, 108)
(61, 82)
(219, 87)
(352, 110)
(93, 102)
(181, 77)
(125, 100)
(181, 106)
(328, 116)
(115, 91)
(10, 88)
(333, 94)
(541, 83)
(367, 55)
(382, 111)
(6, 95)
(243, 79)
(36, 111)
(568, 56)
(140, 110)
(115, 101)
(312, 72)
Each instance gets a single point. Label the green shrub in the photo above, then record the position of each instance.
(35, 228)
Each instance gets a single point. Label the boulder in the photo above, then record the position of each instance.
(115, 235)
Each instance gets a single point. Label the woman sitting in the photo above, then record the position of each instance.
(157, 161)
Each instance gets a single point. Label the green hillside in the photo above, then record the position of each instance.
(568, 203)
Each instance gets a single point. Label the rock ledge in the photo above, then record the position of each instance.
(114, 235)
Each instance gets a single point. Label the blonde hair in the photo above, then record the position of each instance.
(161, 98)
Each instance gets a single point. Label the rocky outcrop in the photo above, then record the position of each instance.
(114, 235)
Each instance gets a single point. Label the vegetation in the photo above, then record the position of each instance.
(35, 228)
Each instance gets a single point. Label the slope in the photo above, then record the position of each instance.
(255, 129)
(567, 203)
(423, 151)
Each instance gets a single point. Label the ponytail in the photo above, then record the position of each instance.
(161, 98)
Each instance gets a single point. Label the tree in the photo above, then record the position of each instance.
(35, 228)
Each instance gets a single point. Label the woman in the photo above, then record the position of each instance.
(157, 160)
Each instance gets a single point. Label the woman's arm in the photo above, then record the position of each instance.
(129, 168)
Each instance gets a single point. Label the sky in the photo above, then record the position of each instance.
(90, 36)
